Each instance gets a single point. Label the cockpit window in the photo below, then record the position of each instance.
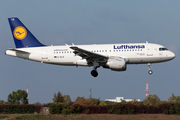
(162, 49)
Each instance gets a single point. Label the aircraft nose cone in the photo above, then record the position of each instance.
(172, 55)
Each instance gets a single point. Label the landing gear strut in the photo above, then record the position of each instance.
(149, 67)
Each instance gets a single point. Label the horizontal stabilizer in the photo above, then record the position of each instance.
(19, 51)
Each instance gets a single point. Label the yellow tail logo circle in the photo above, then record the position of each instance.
(20, 33)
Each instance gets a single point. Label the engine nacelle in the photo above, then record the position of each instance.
(81, 62)
(116, 64)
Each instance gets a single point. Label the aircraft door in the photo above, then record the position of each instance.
(149, 50)
(44, 54)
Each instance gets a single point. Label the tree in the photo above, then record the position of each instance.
(102, 103)
(96, 101)
(151, 100)
(37, 103)
(84, 101)
(79, 98)
(110, 102)
(174, 98)
(123, 102)
(1, 101)
(67, 99)
(18, 97)
(58, 98)
(134, 102)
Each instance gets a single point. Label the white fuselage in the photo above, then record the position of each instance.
(139, 53)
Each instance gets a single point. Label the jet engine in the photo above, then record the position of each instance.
(116, 64)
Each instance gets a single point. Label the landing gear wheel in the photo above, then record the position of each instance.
(94, 73)
(150, 72)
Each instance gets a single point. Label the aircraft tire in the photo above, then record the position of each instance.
(94, 73)
(150, 72)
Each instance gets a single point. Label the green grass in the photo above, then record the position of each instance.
(3, 116)
(30, 117)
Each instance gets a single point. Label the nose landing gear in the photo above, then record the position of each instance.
(94, 73)
(149, 67)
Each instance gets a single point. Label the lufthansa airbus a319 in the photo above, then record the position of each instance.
(110, 56)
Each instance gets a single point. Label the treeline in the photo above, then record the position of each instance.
(62, 104)
(20, 109)
(150, 105)
(119, 108)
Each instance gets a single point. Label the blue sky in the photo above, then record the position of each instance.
(59, 22)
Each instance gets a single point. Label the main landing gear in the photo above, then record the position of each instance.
(94, 72)
(149, 67)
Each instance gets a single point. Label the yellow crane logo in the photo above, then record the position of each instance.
(20, 33)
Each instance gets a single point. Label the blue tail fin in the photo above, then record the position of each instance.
(22, 36)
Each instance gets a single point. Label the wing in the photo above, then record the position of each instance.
(85, 54)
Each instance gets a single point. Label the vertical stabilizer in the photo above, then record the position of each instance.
(22, 36)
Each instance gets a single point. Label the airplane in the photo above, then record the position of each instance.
(111, 56)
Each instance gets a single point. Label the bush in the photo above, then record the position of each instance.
(152, 100)
(87, 111)
(177, 109)
(18, 109)
(66, 111)
(56, 108)
(75, 109)
(85, 102)
(37, 108)
(62, 108)
(118, 108)
(94, 109)
(102, 103)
